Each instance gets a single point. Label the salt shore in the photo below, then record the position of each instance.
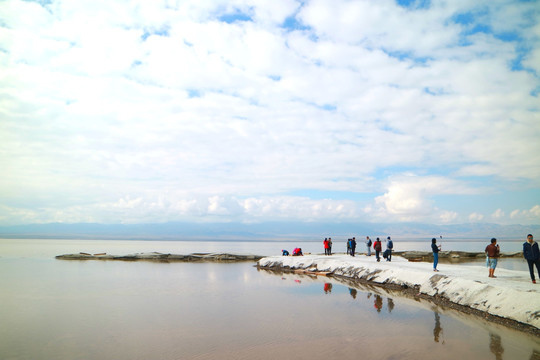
(511, 295)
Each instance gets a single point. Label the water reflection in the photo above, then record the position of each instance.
(495, 345)
(390, 304)
(438, 328)
(461, 334)
(327, 288)
(378, 303)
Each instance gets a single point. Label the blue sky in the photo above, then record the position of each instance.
(256, 111)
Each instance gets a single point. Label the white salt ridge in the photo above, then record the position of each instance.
(511, 295)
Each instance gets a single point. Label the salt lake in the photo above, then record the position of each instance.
(53, 309)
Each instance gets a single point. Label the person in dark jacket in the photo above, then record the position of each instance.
(435, 248)
(329, 246)
(353, 246)
(532, 254)
(389, 247)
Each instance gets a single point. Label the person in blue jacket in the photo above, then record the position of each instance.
(435, 248)
(389, 247)
(532, 254)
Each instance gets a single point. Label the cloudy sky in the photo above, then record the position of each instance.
(264, 110)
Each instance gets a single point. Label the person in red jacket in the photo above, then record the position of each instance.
(377, 247)
(326, 246)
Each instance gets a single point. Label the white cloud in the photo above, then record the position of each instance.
(498, 214)
(475, 217)
(447, 217)
(151, 99)
(526, 216)
(409, 198)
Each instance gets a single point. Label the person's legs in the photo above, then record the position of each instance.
(531, 269)
(492, 266)
(537, 263)
(435, 260)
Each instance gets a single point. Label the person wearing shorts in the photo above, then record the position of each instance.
(492, 252)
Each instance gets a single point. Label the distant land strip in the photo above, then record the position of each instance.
(160, 257)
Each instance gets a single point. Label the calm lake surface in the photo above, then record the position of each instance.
(53, 309)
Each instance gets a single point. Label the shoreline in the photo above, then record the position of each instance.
(160, 257)
(506, 300)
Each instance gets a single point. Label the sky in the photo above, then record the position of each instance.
(270, 110)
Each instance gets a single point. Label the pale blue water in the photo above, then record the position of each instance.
(54, 309)
(40, 248)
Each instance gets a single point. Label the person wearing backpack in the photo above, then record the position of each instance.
(377, 247)
(368, 244)
(353, 246)
(389, 247)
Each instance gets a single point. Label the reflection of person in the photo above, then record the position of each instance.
(435, 250)
(532, 255)
(368, 244)
(353, 246)
(390, 305)
(378, 303)
(377, 247)
(493, 252)
(437, 329)
(495, 345)
(353, 292)
(327, 288)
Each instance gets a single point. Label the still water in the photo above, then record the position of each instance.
(53, 309)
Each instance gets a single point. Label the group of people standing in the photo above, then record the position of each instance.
(327, 246)
(531, 253)
(351, 247)
(377, 246)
